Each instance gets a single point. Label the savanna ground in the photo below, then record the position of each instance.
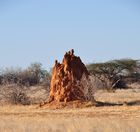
(124, 118)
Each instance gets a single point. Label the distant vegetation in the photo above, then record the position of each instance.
(31, 85)
(33, 75)
(116, 73)
(113, 71)
(28, 86)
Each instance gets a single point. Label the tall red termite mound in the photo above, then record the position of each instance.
(64, 86)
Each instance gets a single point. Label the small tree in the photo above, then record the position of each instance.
(110, 73)
(35, 69)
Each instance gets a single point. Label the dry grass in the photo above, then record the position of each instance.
(98, 119)
(93, 119)
(119, 96)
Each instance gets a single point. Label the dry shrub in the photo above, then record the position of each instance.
(90, 85)
(14, 94)
(18, 96)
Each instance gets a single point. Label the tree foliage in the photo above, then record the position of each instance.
(114, 70)
(33, 75)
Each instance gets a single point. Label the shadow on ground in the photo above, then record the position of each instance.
(132, 103)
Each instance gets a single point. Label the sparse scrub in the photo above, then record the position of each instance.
(113, 73)
(88, 87)
(19, 96)
(14, 94)
(33, 75)
(31, 85)
(16, 85)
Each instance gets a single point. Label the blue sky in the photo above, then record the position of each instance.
(42, 30)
